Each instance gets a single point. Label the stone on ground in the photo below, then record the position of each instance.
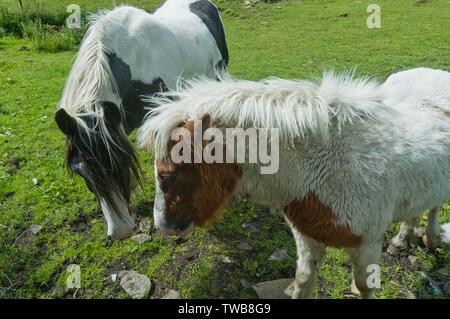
(172, 294)
(279, 254)
(274, 289)
(141, 238)
(445, 233)
(412, 259)
(27, 237)
(135, 284)
(244, 246)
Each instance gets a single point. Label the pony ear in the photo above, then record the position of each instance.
(206, 121)
(66, 123)
(112, 113)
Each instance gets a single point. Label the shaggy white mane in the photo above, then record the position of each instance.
(294, 106)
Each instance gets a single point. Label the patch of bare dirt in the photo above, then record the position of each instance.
(14, 164)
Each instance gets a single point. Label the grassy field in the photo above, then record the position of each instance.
(291, 39)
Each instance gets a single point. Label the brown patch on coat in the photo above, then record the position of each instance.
(314, 219)
(447, 113)
(196, 192)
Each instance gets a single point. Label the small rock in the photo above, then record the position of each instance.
(445, 233)
(280, 254)
(227, 260)
(244, 246)
(35, 229)
(27, 237)
(113, 277)
(172, 294)
(394, 251)
(135, 284)
(141, 238)
(354, 289)
(275, 289)
(144, 226)
(412, 259)
(247, 4)
(122, 274)
(410, 295)
(249, 227)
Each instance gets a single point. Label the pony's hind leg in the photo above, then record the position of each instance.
(366, 267)
(432, 231)
(310, 255)
(406, 236)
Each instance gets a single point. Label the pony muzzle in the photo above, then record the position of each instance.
(181, 228)
(121, 226)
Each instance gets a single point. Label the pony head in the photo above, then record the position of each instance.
(191, 194)
(98, 151)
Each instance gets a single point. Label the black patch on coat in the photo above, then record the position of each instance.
(210, 16)
(130, 92)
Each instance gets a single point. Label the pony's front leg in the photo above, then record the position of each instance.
(432, 231)
(366, 263)
(310, 255)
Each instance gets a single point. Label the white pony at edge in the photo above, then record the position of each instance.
(420, 87)
(355, 157)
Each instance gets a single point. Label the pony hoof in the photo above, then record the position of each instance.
(432, 242)
(393, 249)
(355, 291)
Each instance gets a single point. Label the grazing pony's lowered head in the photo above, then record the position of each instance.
(191, 194)
(99, 151)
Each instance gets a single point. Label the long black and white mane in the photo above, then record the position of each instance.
(128, 53)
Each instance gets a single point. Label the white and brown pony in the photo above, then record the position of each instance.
(351, 163)
(128, 53)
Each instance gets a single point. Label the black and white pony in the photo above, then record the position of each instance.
(128, 53)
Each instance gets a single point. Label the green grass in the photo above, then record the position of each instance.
(292, 39)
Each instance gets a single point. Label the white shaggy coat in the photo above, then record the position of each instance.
(370, 160)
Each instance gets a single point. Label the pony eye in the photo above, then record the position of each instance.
(168, 179)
